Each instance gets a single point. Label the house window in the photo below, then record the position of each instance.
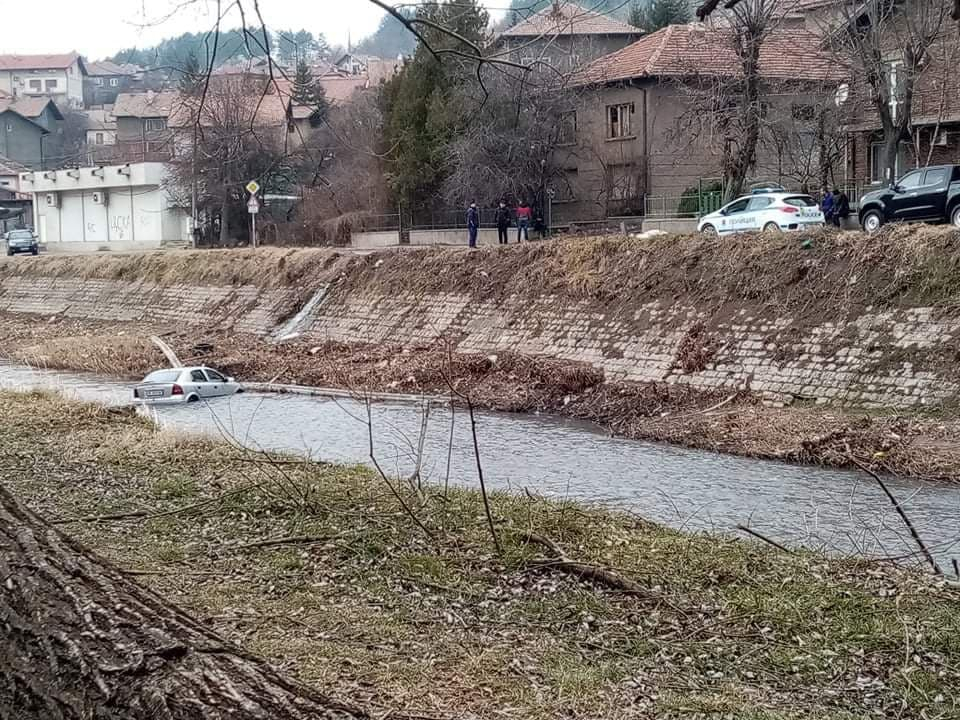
(153, 124)
(803, 113)
(9, 127)
(568, 128)
(99, 139)
(98, 82)
(114, 82)
(624, 185)
(564, 186)
(51, 85)
(878, 162)
(618, 121)
(574, 62)
(36, 85)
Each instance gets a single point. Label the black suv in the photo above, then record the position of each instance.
(930, 194)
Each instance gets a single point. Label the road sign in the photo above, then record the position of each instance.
(253, 187)
(253, 205)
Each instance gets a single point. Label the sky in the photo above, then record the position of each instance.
(100, 28)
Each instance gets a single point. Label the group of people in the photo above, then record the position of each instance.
(503, 219)
(835, 206)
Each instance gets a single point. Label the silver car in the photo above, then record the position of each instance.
(184, 385)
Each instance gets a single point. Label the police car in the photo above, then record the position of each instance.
(766, 209)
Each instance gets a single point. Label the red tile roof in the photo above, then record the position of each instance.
(146, 104)
(695, 49)
(570, 20)
(40, 62)
(108, 67)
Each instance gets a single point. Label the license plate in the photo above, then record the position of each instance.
(154, 393)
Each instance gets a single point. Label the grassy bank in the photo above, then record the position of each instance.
(319, 568)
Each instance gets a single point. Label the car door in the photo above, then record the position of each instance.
(758, 210)
(199, 383)
(932, 194)
(903, 201)
(734, 217)
(217, 383)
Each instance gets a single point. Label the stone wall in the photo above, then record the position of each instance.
(244, 308)
(881, 359)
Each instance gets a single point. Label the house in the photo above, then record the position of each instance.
(642, 128)
(101, 127)
(106, 79)
(31, 131)
(58, 77)
(565, 36)
(15, 207)
(113, 207)
(142, 133)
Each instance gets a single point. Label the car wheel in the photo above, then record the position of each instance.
(771, 228)
(872, 221)
(9, 253)
(193, 399)
(955, 217)
(709, 231)
(35, 251)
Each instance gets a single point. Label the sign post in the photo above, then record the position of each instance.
(253, 207)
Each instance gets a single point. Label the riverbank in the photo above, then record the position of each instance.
(320, 569)
(924, 446)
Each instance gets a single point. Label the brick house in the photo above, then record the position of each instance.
(637, 131)
(565, 36)
(58, 77)
(141, 127)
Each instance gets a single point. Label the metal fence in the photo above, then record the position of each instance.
(684, 206)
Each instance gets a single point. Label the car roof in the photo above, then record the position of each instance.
(773, 193)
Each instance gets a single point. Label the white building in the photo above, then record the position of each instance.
(59, 77)
(115, 207)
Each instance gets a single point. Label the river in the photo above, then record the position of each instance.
(831, 510)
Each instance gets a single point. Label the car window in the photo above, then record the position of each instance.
(800, 201)
(936, 177)
(215, 376)
(738, 206)
(197, 376)
(20, 234)
(759, 203)
(910, 180)
(163, 376)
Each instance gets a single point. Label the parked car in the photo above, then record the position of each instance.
(188, 384)
(930, 194)
(764, 211)
(22, 240)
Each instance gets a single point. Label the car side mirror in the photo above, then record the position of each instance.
(230, 380)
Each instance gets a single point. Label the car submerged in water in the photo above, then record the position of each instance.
(185, 385)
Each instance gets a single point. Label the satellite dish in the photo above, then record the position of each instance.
(841, 95)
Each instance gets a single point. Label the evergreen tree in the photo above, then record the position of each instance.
(660, 14)
(307, 92)
(189, 74)
(419, 119)
(390, 39)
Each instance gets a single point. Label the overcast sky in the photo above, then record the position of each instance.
(99, 28)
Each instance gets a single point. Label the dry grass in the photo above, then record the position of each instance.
(263, 268)
(377, 612)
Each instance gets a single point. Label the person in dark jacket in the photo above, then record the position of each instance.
(826, 205)
(473, 224)
(503, 222)
(841, 207)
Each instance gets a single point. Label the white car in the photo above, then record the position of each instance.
(764, 212)
(188, 384)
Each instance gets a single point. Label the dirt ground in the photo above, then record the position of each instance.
(920, 446)
(582, 614)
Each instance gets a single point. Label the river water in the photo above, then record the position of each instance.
(689, 489)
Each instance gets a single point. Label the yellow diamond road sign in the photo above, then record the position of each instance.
(253, 187)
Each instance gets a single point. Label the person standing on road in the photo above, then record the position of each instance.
(503, 222)
(826, 205)
(473, 224)
(841, 207)
(524, 216)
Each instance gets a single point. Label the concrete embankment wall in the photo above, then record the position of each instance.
(851, 320)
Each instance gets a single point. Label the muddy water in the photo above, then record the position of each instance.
(825, 509)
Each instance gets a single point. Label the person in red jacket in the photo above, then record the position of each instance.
(524, 216)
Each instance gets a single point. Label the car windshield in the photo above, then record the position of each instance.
(20, 235)
(800, 201)
(163, 376)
